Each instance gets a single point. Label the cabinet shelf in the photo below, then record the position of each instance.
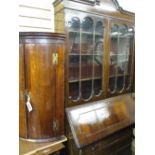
(85, 79)
(85, 32)
(118, 75)
(86, 54)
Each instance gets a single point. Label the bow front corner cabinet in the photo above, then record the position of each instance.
(41, 92)
(99, 49)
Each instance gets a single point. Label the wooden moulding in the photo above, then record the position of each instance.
(29, 148)
(109, 8)
(94, 121)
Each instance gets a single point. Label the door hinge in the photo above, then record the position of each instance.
(55, 125)
(55, 58)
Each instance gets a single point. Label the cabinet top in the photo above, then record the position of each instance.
(110, 8)
(94, 121)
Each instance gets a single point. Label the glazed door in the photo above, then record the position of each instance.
(121, 62)
(42, 84)
(85, 56)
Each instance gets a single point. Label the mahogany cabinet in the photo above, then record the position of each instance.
(103, 127)
(41, 92)
(99, 49)
(99, 64)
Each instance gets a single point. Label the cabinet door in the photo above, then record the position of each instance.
(85, 57)
(43, 74)
(41, 86)
(121, 58)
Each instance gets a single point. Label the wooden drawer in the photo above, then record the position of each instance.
(117, 144)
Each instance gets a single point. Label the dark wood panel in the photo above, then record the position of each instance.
(94, 121)
(41, 85)
(118, 143)
(59, 113)
(22, 106)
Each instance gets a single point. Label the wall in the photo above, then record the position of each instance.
(36, 15)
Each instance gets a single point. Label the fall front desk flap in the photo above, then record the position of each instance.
(93, 121)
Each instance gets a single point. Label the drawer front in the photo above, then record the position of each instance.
(112, 146)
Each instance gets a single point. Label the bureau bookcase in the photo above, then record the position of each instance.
(99, 64)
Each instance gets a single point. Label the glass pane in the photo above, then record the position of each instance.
(74, 42)
(73, 67)
(97, 74)
(86, 89)
(122, 57)
(86, 76)
(74, 76)
(98, 44)
(74, 24)
(97, 66)
(86, 67)
(112, 83)
(87, 24)
(87, 43)
(113, 59)
(74, 90)
(130, 35)
(98, 59)
(99, 27)
(97, 86)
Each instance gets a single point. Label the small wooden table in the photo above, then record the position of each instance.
(34, 148)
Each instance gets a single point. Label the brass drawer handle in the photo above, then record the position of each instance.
(55, 58)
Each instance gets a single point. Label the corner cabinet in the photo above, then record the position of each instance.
(41, 77)
(99, 49)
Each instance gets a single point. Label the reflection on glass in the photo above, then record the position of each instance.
(74, 42)
(113, 59)
(98, 45)
(99, 27)
(128, 81)
(87, 24)
(74, 24)
(98, 59)
(97, 66)
(120, 57)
